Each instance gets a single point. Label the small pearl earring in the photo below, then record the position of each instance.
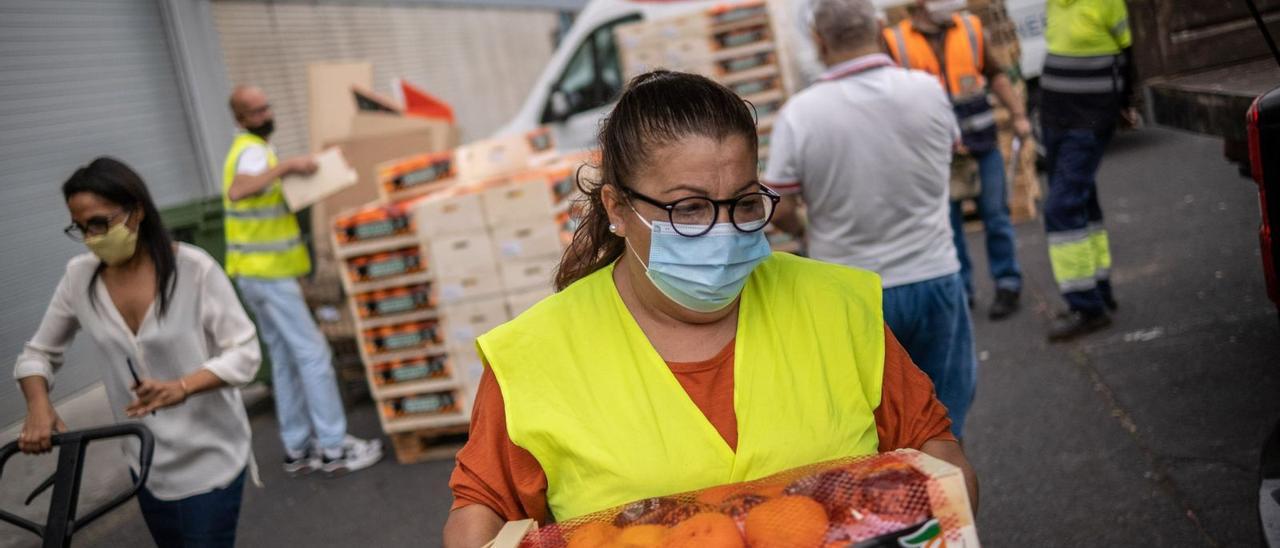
(613, 228)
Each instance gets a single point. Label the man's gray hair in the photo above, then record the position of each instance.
(844, 25)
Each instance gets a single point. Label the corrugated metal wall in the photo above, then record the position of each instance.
(482, 61)
(77, 80)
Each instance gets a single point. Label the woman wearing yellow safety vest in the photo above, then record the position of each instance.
(680, 352)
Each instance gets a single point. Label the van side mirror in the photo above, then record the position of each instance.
(558, 106)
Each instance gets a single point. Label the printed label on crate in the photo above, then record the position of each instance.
(417, 171)
(411, 370)
(754, 85)
(395, 301)
(396, 342)
(382, 265)
(401, 337)
(732, 14)
(428, 403)
(746, 62)
(742, 37)
(389, 267)
(377, 229)
(369, 224)
(422, 404)
(395, 304)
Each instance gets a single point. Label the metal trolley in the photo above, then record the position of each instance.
(62, 521)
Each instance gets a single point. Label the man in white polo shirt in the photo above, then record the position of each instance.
(868, 150)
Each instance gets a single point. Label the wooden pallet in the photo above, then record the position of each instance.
(429, 444)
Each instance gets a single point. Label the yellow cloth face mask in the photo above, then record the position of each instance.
(116, 246)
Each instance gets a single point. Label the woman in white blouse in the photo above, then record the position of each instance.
(173, 347)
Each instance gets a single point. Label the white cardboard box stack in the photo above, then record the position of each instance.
(428, 274)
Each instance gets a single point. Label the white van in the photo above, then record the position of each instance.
(584, 76)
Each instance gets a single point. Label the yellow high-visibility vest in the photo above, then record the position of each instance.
(1086, 28)
(263, 239)
(586, 393)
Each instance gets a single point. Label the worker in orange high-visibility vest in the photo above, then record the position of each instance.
(952, 46)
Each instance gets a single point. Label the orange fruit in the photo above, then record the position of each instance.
(640, 536)
(592, 535)
(705, 530)
(792, 521)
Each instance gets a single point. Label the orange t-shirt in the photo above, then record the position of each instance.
(497, 473)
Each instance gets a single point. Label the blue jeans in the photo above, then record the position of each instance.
(306, 391)
(931, 320)
(993, 207)
(1073, 216)
(206, 520)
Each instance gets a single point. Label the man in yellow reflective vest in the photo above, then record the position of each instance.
(265, 256)
(953, 47)
(1086, 87)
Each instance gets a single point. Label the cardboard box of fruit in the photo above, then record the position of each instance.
(903, 498)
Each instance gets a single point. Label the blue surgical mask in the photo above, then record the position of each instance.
(704, 273)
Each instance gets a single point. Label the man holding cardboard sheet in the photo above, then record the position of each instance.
(265, 255)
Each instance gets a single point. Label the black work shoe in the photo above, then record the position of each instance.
(1111, 304)
(1006, 303)
(1072, 324)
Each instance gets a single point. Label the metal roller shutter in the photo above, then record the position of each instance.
(78, 79)
(462, 55)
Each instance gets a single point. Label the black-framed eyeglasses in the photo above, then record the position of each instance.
(95, 226)
(696, 215)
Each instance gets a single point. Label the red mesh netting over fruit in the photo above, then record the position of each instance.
(858, 501)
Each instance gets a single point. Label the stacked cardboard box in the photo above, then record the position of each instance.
(461, 241)
(733, 44)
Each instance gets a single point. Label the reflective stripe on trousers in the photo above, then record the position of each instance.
(1079, 249)
(1080, 258)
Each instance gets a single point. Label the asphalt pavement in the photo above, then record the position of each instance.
(1147, 434)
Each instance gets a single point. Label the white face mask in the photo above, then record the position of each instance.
(940, 11)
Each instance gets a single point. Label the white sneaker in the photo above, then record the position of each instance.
(356, 454)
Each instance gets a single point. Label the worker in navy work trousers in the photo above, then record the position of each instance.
(1086, 88)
